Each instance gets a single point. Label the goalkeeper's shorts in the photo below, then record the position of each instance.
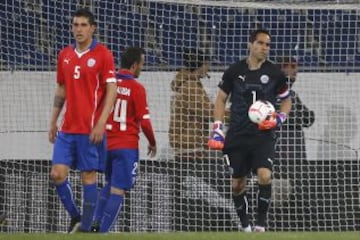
(250, 153)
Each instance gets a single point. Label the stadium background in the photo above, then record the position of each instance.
(323, 36)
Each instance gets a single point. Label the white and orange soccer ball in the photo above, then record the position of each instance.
(260, 110)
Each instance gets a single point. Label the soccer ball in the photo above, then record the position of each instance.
(260, 110)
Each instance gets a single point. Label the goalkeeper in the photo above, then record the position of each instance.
(248, 146)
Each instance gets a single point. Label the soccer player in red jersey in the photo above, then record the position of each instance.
(86, 92)
(123, 127)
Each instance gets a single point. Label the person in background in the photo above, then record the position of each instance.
(195, 165)
(291, 165)
(191, 108)
(291, 148)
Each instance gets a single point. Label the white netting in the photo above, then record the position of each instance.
(273, 4)
(320, 193)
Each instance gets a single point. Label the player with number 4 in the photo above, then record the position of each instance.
(123, 127)
(250, 146)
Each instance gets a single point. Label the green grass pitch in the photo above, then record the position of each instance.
(190, 236)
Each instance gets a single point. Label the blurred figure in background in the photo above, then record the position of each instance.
(191, 108)
(197, 184)
(291, 149)
(291, 166)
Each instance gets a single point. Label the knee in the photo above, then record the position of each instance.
(57, 175)
(264, 176)
(88, 178)
(238, 185)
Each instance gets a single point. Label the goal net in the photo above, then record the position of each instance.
(316, 175)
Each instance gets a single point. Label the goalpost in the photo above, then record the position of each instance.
(319, 193)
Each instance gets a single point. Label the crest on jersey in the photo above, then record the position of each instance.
(264, 79)
(91, 62)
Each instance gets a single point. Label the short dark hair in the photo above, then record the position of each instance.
(194, 58)
(286, 60)
(255, 33)
(83, 12)
(130, 56)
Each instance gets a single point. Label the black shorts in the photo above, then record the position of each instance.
(248, 153)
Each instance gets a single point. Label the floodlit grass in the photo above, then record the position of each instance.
(190, 236)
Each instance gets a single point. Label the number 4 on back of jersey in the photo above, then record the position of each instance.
(120, 113)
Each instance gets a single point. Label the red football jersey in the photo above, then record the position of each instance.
(85, 76)
(129, 113)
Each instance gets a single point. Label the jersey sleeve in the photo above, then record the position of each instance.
(227, 81)
(109, 68)
(141, 107)
(59, 70)
(143, 115)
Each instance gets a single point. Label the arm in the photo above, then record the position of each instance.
(149, 134)
(220, 103)
(283, 93)
(217, 137)
(303, 115)
(59, 101)
(97, 132)
(285, 105)
(277, 118)
(108, 78)
(143, 116)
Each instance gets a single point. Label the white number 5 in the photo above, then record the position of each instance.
(77, 72)
(120, 113)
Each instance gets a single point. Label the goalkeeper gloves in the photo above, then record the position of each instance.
(217, 137)
(275, 120)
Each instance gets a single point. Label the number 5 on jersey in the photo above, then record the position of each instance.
(120, 113)
(77, 72)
